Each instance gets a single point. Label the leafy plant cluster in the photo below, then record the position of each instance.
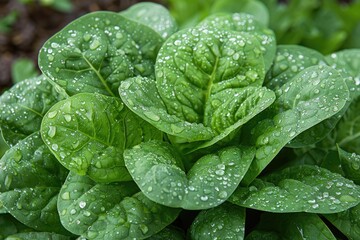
(138, 130)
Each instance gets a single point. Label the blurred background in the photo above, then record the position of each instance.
(325, 25)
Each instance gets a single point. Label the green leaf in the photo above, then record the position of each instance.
(215, 223)
(347, 60)
(347, 132)
(295, 226)
(289, 61)
(95, 52)
(196, 63)
(299, 189)
(30, 179)
(9, 226)
(246, 23)
(111, 211)
(88, 133)
(350, 164)
(153, 15)
(37, 235)
(142, 97)
(253, 7)
(167, 233)
(313, 95)
(348, 222)
(23, 68)
(158, 171)
(23, 107)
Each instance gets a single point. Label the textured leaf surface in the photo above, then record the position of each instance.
(153, 15)
(215, 223)
(299, 189)
(312, 96)
(23, 107)
(94, 53)
(196, 63)
(296, 226)
(348, 222)
(30, 179)
(141, 96)
(89, 132)
(242, 22)
(170, 232)
(158, 171)
(111, 211)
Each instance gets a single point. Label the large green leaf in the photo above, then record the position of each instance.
(95, 52)
(157, 169)
(195, 64)
(153, 15)
(299, 189)
(242, 22)
(30, 179)
(10, 226)
(295, 226)
(89, 132)
(23, 107)
(226, 220)
(313, 95)
(110, 211)
(348, 222)
(37, 235)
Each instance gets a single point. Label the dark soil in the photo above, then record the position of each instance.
(35, 23)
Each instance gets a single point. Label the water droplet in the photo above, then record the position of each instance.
(220, 172)
(87, 37)
(177, 42)
(50, 57)
(73, 211)
(144, 229)
(65, 196)
(52, 114)
(223, 194)
(52, 131)
(17, 155)
(347, 198)
(82, 204)
(94, 44)
(8, 181)
(152, 116)
(149, 189)
(54, 147)
(118, 35)
(236, 56)
(87, 213)
(67, 117)
(176, 129)
(355, 166)
(204, 198)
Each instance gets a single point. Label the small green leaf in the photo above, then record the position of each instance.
(153, 15)
(37, 235)
(299, 189)
(95, 52)
(215, 223)
(315, 94)
(350, 165)
(295, 226)
(348, 222)
(246, 23)
(23, 107)
(30, 179)
(110, 211)
(158, 171)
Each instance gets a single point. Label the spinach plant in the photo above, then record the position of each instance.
(138, 130)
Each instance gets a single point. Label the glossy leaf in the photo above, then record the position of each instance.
(153, 15)
(312, 96)
(350, 165)
(246, 23)
(167, 233)
(347, 60)
(296, 226)
(347, 132)
(158, 171)
(194, 64)
(141, 96)
(111, 211)
(30, 179)
(37, 235)
(289, 61)
(23, 107)
(348, 222)
(95, 52)
(89, 132)
(299, 189)
(215, 223)
(10, 226)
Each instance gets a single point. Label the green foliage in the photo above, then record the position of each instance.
(138, 130)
